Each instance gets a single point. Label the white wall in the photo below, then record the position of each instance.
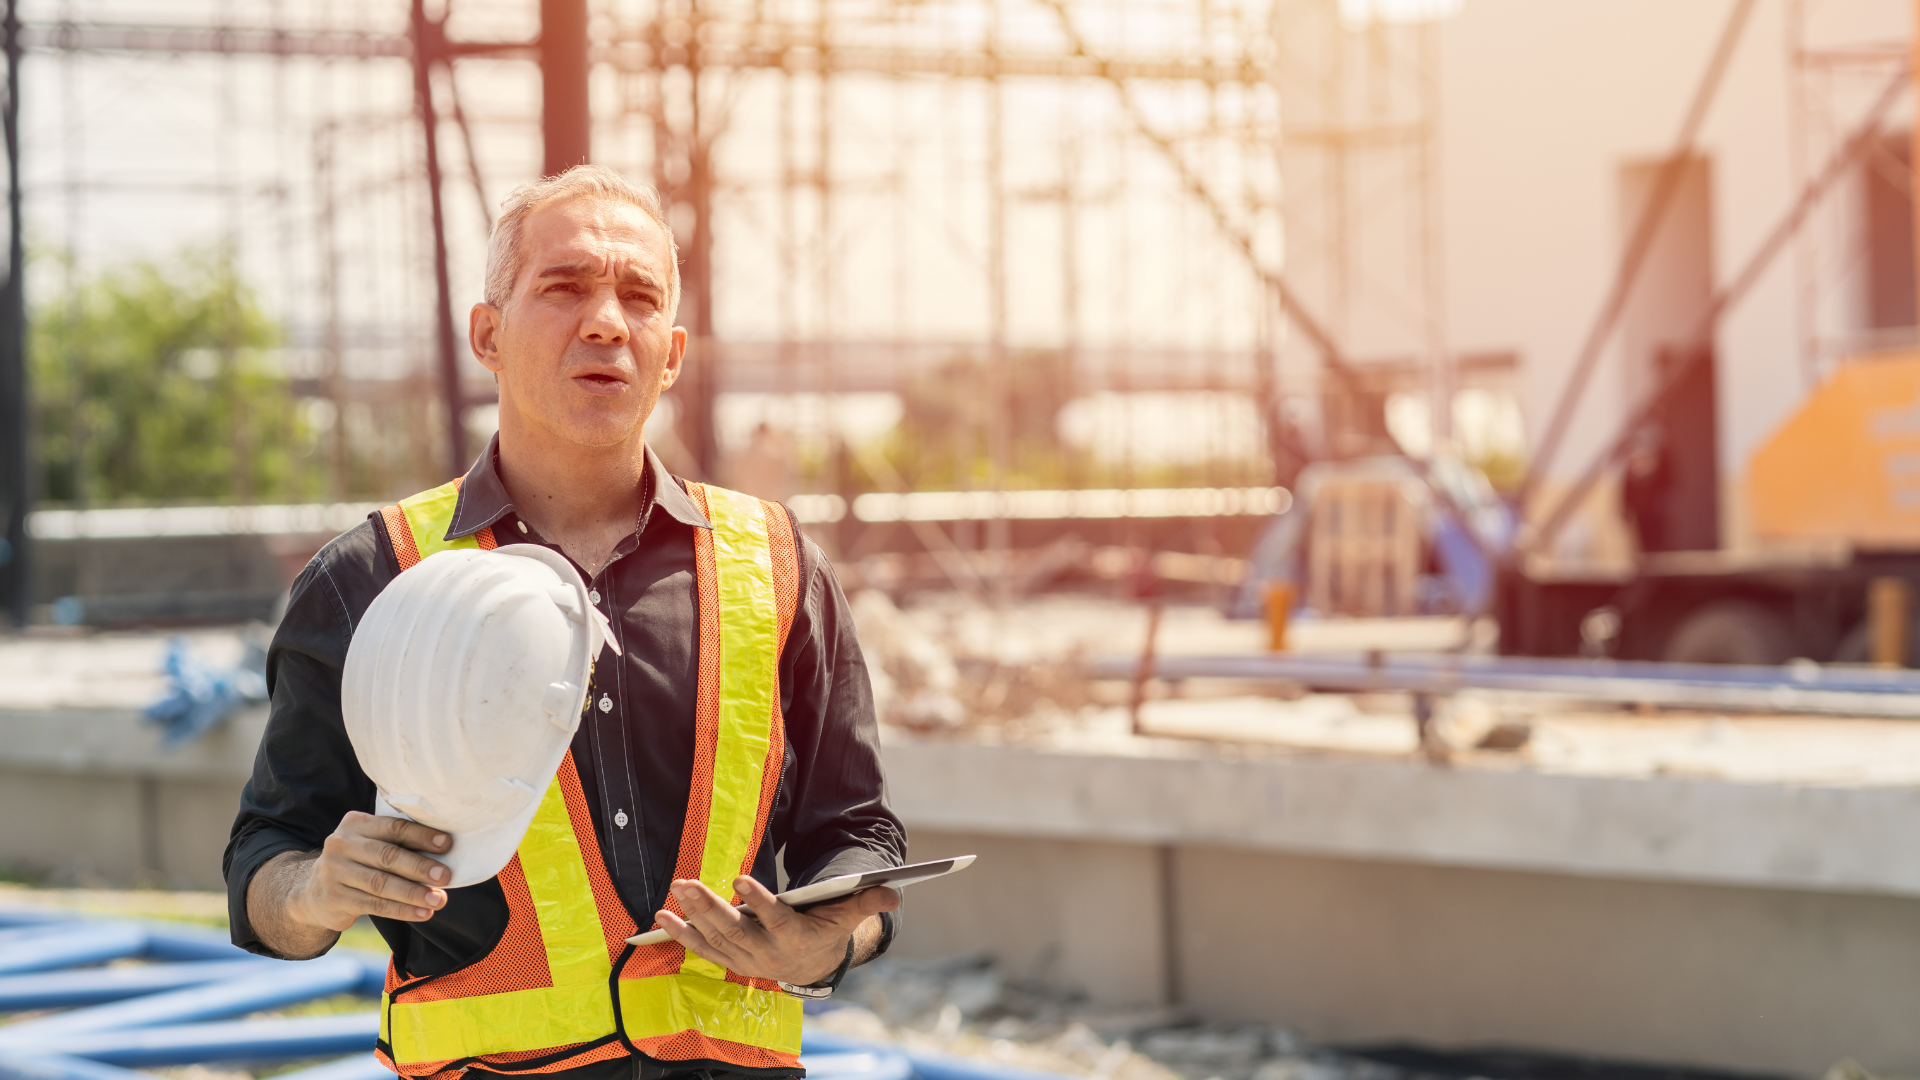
(1542, 102)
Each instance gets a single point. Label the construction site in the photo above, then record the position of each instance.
(1390, 527)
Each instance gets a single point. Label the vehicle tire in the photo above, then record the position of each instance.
(1731, 632)
(1857, 646)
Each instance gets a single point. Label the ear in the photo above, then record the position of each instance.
(483, 328)
(676, 355)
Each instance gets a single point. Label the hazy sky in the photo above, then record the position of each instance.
(1541, 101)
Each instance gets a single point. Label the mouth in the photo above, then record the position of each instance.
(598, 382)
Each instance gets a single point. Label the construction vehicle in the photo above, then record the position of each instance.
(1833, 505)
(1830, 556)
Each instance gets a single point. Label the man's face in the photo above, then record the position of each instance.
(585, 343)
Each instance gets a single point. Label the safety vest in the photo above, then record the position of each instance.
(562, 987)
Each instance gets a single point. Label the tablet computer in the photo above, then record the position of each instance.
(840, 885)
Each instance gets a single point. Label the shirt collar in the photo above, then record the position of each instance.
(668, 495)
(483, 498)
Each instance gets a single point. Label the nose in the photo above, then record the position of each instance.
(605, 323)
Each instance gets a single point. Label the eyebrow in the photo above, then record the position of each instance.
(585, 269)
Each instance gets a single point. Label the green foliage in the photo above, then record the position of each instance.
(158, 379)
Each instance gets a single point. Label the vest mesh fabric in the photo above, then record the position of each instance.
(520, 960)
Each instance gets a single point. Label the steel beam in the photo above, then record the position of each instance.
(566, 123)
(723, 45)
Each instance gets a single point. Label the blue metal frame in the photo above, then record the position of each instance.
(176, 1010)
(1790, 688)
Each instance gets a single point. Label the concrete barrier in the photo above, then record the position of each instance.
(1770, 926)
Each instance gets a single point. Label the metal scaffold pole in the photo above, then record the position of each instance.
(1913, 156)
(426, 52)
(16, 482)
(566, 125)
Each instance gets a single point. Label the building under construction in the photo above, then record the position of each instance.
(1017, 288)
(1048, 244)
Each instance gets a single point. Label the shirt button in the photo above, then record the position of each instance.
(606, 702)
(522, 524)
(620, 820)
(594, 596)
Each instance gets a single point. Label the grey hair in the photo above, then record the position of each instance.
(507, 256)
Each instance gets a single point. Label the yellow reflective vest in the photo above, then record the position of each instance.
(562, 988)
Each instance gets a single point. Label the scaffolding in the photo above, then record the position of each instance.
(1834, 257)
(1230, 200)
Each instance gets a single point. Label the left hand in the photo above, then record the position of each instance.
(799, 947)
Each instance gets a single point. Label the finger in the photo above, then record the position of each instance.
(398, 861)
(374, 881)
(774, 916)
(695, 942)
(363, 903)
(850, 911)
(718, 920)
(408, 834)
(878, 899)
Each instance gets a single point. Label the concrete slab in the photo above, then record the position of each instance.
(1663, 828)
(1733, 892)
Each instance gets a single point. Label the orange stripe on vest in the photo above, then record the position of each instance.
(519, 960)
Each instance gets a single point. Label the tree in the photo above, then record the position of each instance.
(156, 382)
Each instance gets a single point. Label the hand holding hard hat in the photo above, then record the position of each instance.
(464, 683)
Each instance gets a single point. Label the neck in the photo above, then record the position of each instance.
(564, 489)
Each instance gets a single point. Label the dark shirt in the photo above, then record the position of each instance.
(635, 760)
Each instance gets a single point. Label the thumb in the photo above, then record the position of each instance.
(874, 900)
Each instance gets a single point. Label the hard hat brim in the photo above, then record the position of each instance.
(477, 854)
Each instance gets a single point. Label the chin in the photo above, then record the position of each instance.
(601, 432)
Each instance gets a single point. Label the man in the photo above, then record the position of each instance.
(577, 327)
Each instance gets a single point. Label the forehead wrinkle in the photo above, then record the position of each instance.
(572, 269)
(585, 240)
(622, 270)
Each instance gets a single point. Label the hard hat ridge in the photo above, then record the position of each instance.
(463, 685)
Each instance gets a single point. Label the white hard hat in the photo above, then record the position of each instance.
(464, 683)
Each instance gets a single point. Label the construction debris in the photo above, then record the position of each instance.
(925, 681)
(968, 1006)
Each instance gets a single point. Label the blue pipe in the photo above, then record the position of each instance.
(165, 941)
(70, 945)
(175, 942)
(12, 915)
(375, 966)
(279, 985)
(357, 1067)
(44, 1066)
(232, 1040)
(65, 989)
(879, 1063)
